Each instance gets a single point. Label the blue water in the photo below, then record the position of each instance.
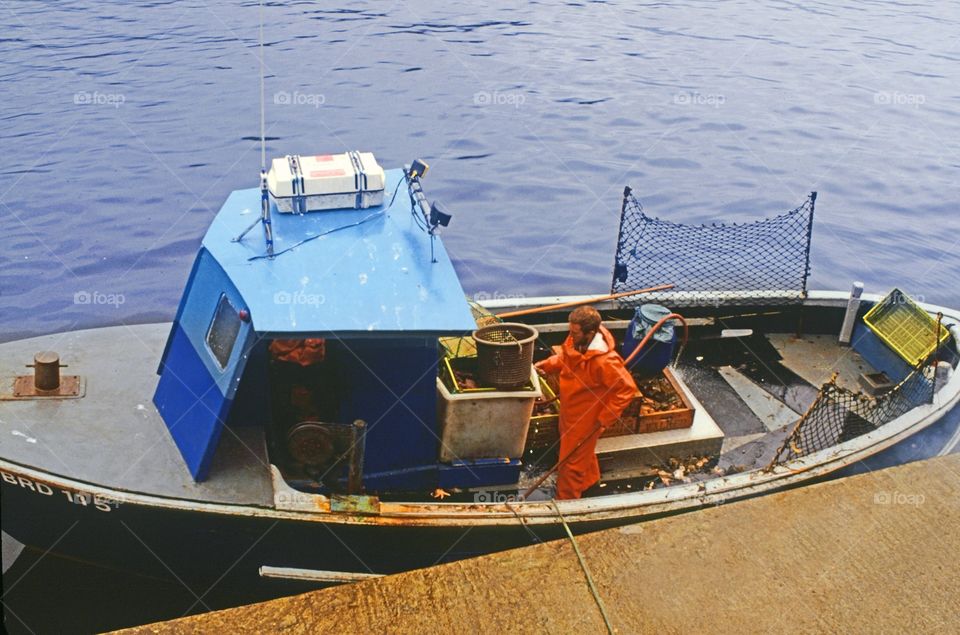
(126, 124)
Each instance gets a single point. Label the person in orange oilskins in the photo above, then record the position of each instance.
(595, 388)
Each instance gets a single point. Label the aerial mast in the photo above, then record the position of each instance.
(264, 192)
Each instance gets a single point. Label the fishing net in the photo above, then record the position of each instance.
(766, 261)
(839, 415)
(454, 347)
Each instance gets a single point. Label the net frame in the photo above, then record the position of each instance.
(839, 415)
(765, 261)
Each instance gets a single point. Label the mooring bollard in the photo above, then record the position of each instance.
(46, 370)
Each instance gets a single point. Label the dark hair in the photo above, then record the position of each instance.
(587, 317)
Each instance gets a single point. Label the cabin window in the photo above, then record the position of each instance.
(223, 331)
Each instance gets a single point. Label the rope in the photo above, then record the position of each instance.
(533, 536)
(363, 220)
(586, 571)
(936, 349)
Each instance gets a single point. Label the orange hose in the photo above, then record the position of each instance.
(643, 342)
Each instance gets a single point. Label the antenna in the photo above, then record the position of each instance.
(264, 192)
(263, 135)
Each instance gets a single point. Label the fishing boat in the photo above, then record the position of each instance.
(309, 409)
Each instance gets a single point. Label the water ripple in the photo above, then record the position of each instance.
(126, 125)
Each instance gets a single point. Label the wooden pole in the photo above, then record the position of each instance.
(564, 305)
(355, 474)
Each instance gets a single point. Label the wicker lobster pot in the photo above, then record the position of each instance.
(505, 354)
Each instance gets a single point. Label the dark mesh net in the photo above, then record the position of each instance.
(839, 415)
(719, 264)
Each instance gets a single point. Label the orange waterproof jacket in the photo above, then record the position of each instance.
(303, 352)
(595, 388)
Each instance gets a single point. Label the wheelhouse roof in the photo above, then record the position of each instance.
(371, 278)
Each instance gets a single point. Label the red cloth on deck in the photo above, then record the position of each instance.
(595, 388)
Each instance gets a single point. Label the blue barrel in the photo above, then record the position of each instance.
(657, 352)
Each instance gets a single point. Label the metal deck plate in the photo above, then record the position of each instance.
(71, 387)
(773, 413)
(816, 357)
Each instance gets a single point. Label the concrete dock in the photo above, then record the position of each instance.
(871, 553)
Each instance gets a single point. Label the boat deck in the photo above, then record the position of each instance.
(760, 385)
(114, 437)
(753, 387)
(749, 390)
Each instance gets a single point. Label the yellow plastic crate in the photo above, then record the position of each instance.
(905, 327)
(449, 364)
(465, 346)
(459, 346)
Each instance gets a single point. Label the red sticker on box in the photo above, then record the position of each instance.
(319, 174)
(323, 157)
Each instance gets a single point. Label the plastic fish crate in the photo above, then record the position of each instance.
(905, 327)
(633, 421)
(482, 425)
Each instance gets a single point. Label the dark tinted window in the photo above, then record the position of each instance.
(223, 331)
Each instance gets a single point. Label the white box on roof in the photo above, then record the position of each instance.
(310, 183)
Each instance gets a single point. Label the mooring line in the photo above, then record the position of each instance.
(583, 565)
(533, 536)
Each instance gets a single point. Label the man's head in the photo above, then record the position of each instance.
(584, 324)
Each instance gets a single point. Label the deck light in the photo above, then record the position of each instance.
(428, 216)
(439, 214)
(418, 169)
